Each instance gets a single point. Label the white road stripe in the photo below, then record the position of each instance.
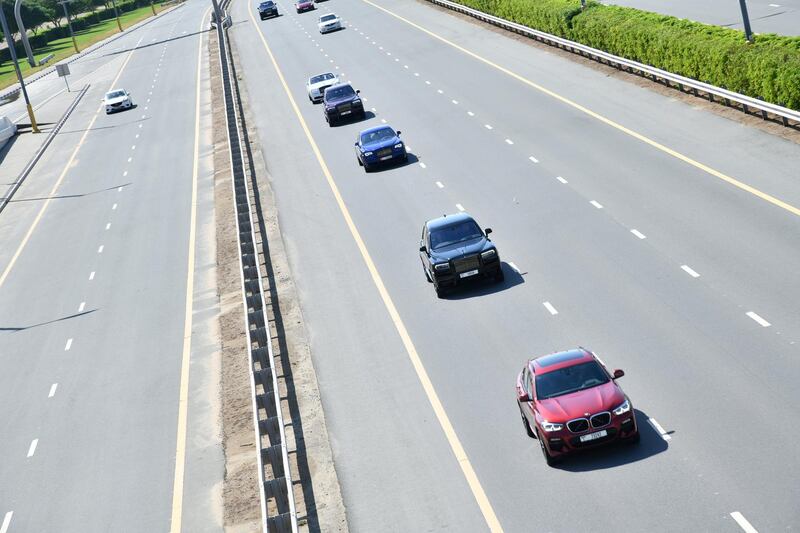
(562, 180)
(68, 345)
(533, 159)
(470, 113)
(439, 91)
(114, 207)
(488, 126)
(427, 82)
(460, 207)
(689, 270)
(440, 184)
(6, 522)
(383, 120)
(454, 101)
(509, 141)
(416, 74)
(638, 233)
(741, 520)
(32, 448)
(108, 226)
(423, 165)
(100, 249)
(130, 159)
(53, 388)
(596, 204)
(758, 319)
(405, 66)
(657, 427)
(124, 173)
(549, 307)
(513, 267)
(82, 307)
(774, 5)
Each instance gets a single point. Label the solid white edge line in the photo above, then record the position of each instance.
(6, 522)
(52, 392)
(638, 233)
(689, 270)
(757, 318)
(597, 204)
(68, 345)
(657, 427)
(460, 207)
(32, 447)
(743, 522)
(514, 267)
(549, 307)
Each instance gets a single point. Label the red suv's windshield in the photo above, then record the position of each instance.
(570, 379)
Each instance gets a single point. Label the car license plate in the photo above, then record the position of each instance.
(346, 112)
(469, 273)
(594, 436)
(384, 158)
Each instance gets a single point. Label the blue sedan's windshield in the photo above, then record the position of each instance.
(569, 379)
(455, 233)
(383, 134)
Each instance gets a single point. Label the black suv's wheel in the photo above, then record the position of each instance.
(499, 277)
(551, 461)
(440, 291)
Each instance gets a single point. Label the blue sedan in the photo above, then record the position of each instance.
(379, 145)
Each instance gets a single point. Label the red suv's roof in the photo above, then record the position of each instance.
(555, 361)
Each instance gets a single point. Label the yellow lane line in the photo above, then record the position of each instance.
(686, 159)
(422, 374)
(53, 191)
(183, 394)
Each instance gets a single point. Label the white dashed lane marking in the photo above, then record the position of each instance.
(470, 113)
(562, 180)
(108, 226)
(439, 91)
(597, 204)
(52, 392)
(91, 276)
(422, 165)
(6, 522)
(549, 307)
(114, 207)
(533, 159)
(509, 142)
(82, 307)
(638, 233)
(657, 427)
(440, 184)
(32, 447)
(488, 126)
(757, 318)
(513, 267)
(689, 270)
(100, 249)
(460, 207)
(68, 345)
(741, 520)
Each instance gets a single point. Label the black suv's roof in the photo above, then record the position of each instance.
(447, 220)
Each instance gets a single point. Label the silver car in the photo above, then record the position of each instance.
(117, 100)
(316, 85)
(329, 22)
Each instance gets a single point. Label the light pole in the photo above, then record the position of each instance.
(153, 7)
(69, 24)
(116, 14)
(13, 52)
(748, 33)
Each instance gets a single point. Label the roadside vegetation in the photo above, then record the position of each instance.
(48, 33)
(768, 68)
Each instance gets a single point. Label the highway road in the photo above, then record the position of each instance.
(107, 256)
(766, 16)
(660, 235)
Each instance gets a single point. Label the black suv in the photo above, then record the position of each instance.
(267, 9)
(340, 102)
(454, 249)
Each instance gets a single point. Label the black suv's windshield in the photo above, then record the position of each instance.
(339, 92)
(269, 3)
(455, 233)
(570, 379)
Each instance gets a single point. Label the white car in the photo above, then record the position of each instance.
(117, 100)
(329, 22)
(316, 85)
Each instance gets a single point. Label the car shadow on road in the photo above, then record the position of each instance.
(483, 287)
(612, 456)
(389, 166)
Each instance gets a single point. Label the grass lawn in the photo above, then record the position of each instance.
(63, 47)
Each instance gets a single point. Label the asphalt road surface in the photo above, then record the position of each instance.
(97, 249)
(660, 235)
(766, 16)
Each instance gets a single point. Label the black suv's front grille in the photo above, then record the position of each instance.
(344, 107)
(578, 425)
(601, 419)
(384, 151)
(465, 264)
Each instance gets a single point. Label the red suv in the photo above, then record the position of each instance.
(570, 402)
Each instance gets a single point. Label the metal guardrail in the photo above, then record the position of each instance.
(276, 491)
(751, 106)
(38, 155)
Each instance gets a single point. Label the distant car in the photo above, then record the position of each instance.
(569, 402)
(304, 5)
(316, 85)
(117, 100)
(378, 145)
(454, 249)
(267, 8)
(329, 22)
(342, 101)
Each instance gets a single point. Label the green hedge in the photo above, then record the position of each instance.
(768, 69)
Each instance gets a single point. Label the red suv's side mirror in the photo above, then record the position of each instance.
(523, 396)
(618, 373)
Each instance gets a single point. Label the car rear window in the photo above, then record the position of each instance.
(454, 234)
(570, 379)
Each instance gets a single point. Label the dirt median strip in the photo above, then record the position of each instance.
(317, 494)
